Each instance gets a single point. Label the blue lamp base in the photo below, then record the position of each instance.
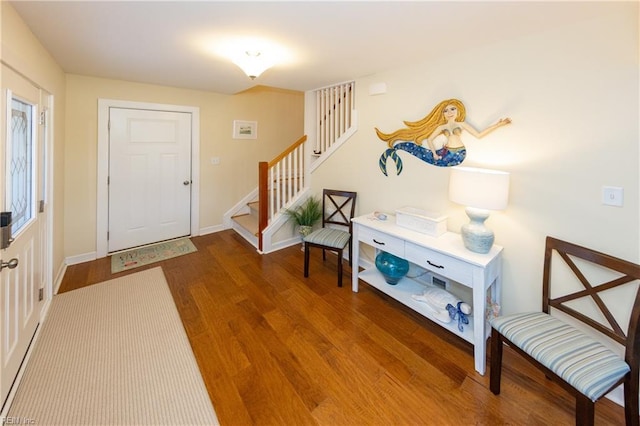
(475, 236)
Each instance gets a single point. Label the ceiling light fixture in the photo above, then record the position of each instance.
(252, 63)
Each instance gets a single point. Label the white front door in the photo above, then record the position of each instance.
(149, 177)
(22, 186)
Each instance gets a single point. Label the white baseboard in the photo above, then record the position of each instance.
(616, 395)
(81, 258)
(213, 229)
(59, 277)
(284, 244)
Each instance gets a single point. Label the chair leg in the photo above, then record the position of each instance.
(631, 412)
(339, 268)
(306, 260)
(496, 362)
(584, 411)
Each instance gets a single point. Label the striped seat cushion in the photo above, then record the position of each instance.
(329, 237)
(580, 360)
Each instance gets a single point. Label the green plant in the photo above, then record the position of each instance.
(307, 213)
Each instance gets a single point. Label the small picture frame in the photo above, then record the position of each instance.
(245, 129)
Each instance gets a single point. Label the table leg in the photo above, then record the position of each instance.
(355, 258)
(479, 328)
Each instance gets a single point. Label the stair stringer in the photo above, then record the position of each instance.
(280, 233)
(241, 207)
(318, 160)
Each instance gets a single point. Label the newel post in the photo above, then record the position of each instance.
(263, 199)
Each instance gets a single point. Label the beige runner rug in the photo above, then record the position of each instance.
(113, 353)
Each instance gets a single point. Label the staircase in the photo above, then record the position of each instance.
(284, 181)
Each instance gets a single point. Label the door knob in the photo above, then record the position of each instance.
(12, 264)
(186, 182)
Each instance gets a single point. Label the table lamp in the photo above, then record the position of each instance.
(480, 190)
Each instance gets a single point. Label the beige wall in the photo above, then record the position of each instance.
(573, 96)
(279, 114)
(21, 51)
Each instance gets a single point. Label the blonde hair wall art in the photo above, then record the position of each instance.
(441, 129)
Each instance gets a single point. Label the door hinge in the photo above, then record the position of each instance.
(107, 235)
(41, 206)
(40, 294)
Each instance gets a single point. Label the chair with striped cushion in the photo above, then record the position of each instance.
(338, 208)
(576, 359)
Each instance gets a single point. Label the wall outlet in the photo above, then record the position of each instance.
(215, 160)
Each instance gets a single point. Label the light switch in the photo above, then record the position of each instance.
(612, 196)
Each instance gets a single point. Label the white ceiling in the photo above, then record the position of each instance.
(161, 42)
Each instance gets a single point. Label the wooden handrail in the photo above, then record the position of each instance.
(264, 185)
(282, 180)
(287, 151)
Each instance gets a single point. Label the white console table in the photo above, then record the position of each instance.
(445, 256)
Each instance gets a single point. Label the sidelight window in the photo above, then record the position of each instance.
(20, 182)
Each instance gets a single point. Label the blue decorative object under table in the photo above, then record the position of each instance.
(391, 267)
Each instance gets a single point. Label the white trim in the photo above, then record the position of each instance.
(48, 197)
(213, 229)
(102, 207)
(238, 208)
(337, 144)
(80, 258)
(273, 247)
(59, 277)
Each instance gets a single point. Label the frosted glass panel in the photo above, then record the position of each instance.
(20, 181)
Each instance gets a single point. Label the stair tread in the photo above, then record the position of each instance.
(248, 222)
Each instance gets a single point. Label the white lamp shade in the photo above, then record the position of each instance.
(479, 188)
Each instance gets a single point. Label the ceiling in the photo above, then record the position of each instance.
(179, 43)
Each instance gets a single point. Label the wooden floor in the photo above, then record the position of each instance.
(275, 348)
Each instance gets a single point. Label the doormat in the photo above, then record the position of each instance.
(149, 254)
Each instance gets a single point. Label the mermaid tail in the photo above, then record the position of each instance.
(448, 158)
(390, 153)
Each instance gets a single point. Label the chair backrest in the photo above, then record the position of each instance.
(616, 272)
(338, 208)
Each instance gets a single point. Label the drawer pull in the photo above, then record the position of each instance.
(378, 242)
(434, 265)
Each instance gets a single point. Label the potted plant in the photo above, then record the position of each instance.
(306, 215)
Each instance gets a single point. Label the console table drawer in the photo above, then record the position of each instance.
(382, 241)
(439, 263)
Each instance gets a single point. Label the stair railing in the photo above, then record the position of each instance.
(279, 182)
(334, 106)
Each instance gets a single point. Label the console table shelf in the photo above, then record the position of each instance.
(444, 255)
(402, 293)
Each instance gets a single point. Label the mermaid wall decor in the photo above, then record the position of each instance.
(446, 121)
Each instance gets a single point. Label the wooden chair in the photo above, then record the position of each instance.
(575, 359)
(338, 208)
